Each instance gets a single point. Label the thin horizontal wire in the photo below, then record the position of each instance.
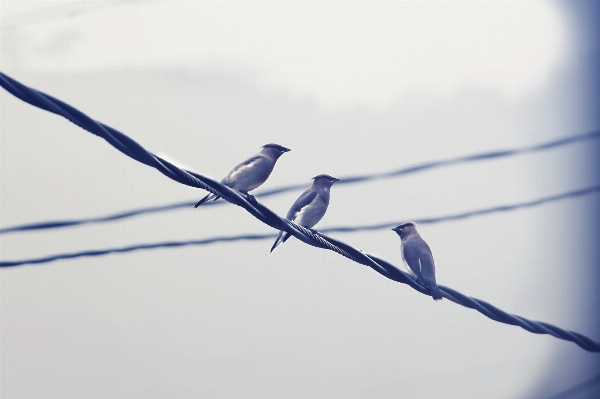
(468, 214)
(132, 149)
(54, 224)
(474, 157)
(131, 248)
(338, 229)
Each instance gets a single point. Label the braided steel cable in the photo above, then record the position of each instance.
(132, 149)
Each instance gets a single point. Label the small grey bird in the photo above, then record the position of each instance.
(416, 254)
(251, 173)
(310, 207)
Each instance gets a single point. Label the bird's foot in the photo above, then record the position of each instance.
(249, 197)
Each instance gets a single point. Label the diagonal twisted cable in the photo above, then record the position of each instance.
(132, 149)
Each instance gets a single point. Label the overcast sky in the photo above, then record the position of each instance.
(351, 89)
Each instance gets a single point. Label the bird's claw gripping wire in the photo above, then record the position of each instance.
(249, 197)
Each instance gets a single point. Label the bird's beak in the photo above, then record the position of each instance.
(285, 149)
(395, 229)
(335, 179)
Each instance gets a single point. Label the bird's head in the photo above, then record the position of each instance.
(275, 149)
(325, 180)
(405, 229)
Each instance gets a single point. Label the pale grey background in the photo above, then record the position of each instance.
(351, 89)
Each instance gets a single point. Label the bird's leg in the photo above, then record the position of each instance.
(249, 197)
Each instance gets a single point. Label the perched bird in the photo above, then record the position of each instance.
(416, 254)
(251, 173)
(310, 207)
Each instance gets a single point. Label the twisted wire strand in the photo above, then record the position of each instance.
(132, 149)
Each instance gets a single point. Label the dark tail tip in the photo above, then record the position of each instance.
(203, 200)
(435, 292)
(280, 238)
(275, 244)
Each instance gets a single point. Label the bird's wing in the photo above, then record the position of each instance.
(427, 265)
(411, 251)
(299, 207)
(295, 214)
(427, 275)
(420, 260)
(242, 168)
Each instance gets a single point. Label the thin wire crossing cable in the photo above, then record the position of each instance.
(577, 389)
(468, 214)
(131, 248)
(54, 224)
(340, 229)
(132, 149)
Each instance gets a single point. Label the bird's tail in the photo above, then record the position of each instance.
(282, 237)
(435, 291)
(208, 197)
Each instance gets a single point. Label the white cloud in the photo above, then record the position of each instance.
(338, 52)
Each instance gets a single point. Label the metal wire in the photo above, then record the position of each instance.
(132, 149)
(254, 237)
(54, 224)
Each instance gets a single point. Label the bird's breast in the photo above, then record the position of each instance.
(406, 266)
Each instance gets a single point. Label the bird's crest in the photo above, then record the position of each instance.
(403, 225)
(326, 177)
(276, 146)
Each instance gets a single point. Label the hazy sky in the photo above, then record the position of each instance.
(351, 89)
(340, 53)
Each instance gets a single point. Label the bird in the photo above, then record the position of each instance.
(251, 173)
(310, 207)
(417, 255)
